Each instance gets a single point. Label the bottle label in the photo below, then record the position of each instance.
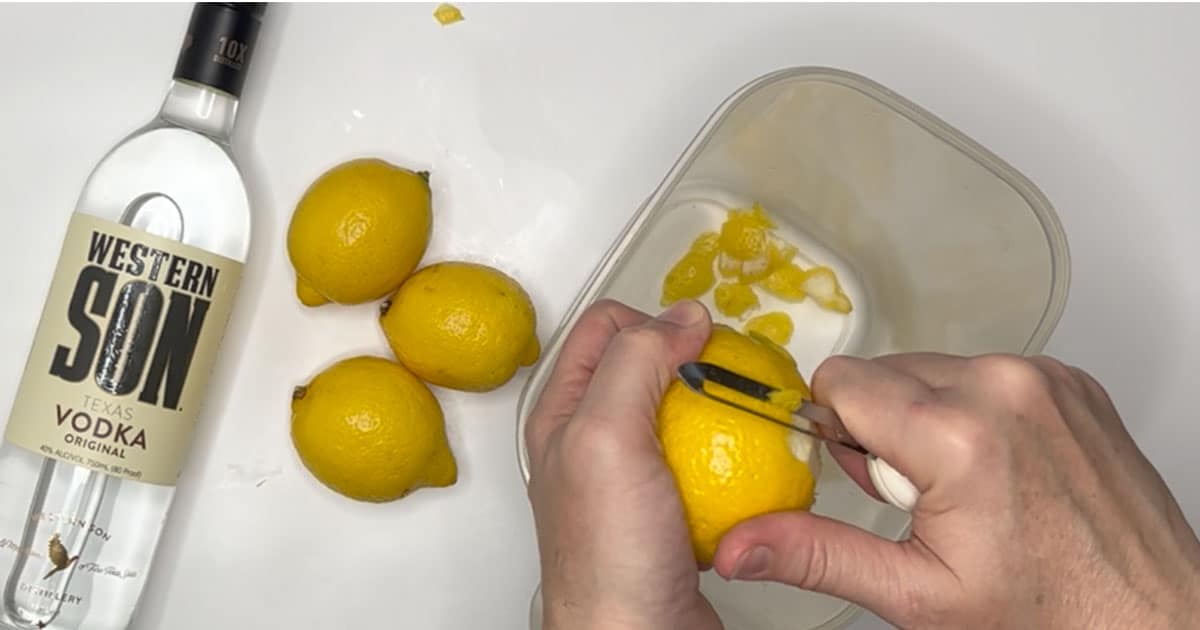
(123, 351)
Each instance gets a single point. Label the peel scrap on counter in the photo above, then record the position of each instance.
(447, 14)
(749, 256)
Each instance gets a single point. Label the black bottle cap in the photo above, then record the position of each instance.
(219, 42)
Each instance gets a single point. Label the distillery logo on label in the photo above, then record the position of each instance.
(123, 351)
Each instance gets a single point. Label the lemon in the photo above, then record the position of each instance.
(776, 326)
(447, 14)
(358, 231)
(745, 234)
(786, 283)
(692, 275)
(730, 465)
(822, 284)
(734, 299)
(749, 250)
(369, 429)
(462, 325)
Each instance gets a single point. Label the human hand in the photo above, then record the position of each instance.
(614, 546)
(1037, 508)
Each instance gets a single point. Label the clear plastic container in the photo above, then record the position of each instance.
(939, 244)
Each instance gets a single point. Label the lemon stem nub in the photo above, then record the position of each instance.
(424, 175)
(383, 308)
(299, 392)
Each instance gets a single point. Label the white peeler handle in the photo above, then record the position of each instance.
(894, 487)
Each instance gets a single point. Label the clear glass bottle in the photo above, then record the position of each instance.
(110, 394)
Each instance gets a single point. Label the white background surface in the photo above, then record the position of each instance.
(545, 127)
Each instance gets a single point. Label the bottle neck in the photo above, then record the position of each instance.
(200, 108)
(212, 66)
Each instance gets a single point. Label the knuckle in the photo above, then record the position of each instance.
(1052, 367)
(597, 316)
(810, 565)
(1060, 375)
(642, 341)
(837, 363)
(587, 443)
(605, 303)
(1013, 375)
(601, 310)
(1090, 384)
(830, 369)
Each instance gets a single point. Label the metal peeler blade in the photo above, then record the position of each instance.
(829, 426)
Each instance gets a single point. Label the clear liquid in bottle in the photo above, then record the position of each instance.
(112, 387)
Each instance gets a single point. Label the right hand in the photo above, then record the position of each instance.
(1037, 510)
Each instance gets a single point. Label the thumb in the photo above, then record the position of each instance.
(819, 554)
(640, 363)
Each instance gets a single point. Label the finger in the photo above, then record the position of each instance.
(819, 554)
(581, 353)
(1075, 393)
(891, 413)
(1097, 395)
(1060, 376)
(1100, 401)
(640, 363)
(854, 464)
(935, 369)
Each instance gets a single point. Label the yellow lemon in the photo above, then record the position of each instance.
(369, 429)
(750, 234)
(822, 284)
(692, 275)
(447, 14)
(731, 465)
(776, 326)
(745, 234)
(358, 231)
(462, 325)
(786, 283)
(734, 299)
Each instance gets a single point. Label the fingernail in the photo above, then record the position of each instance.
(752, 564)
(683, 313)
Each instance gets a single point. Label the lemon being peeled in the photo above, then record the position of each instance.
(730, 465)
(369, 429)
(358, 231)
(462, 325)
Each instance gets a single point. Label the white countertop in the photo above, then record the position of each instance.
(545, 127)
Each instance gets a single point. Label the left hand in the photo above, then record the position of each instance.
(615, 550)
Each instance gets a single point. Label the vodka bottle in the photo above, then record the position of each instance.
(112, 386)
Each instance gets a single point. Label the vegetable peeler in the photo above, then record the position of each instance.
(893, 486)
